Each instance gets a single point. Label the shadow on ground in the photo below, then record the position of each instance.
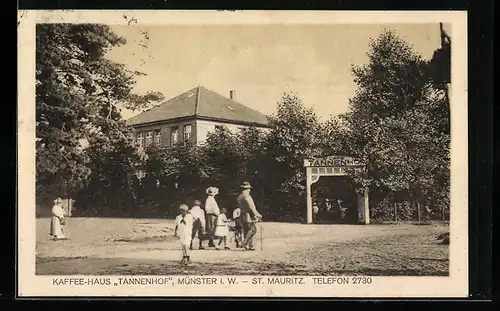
(122, 266)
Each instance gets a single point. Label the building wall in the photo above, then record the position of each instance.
(199, 130)
(166, 130)
(204, 127)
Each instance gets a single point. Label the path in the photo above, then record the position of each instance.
(151, 242)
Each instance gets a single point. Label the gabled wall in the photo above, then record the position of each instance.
(204, 127)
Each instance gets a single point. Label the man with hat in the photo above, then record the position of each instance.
(211, 213)
(249, 215)
(198, 224)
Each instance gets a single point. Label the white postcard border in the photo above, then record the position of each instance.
(456, 285)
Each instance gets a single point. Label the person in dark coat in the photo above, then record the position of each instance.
(249, 215)
(211, 213)
(199, 223)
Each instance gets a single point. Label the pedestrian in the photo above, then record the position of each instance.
(57, 221)
(222, 228)
(198, 223)
(183, 230)
(315, 212)
(342, 209)
(249, 215)
(211, 213)
(238, 229)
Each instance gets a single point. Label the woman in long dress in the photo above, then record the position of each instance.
(57, 219)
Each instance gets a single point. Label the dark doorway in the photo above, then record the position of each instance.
(336, 199)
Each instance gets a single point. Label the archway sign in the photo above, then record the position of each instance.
(335, 166)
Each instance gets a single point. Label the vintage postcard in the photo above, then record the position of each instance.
(242, 154)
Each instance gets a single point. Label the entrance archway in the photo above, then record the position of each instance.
(336, 200)
(335, 166)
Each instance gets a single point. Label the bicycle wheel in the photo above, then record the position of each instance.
(232, 240)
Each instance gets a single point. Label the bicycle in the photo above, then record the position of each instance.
(232, 239)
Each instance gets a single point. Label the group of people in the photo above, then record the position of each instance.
(332, 210)
(212, 223)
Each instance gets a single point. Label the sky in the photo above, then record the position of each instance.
(259, 62)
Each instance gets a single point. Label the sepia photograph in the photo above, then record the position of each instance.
(284, 150)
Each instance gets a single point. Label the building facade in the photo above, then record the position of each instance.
(191, 116)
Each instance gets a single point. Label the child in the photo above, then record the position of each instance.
(222, 228)
(183, 230)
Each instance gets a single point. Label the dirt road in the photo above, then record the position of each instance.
(146, 246)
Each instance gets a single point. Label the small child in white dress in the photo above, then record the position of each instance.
(222, 228)
(183, 230)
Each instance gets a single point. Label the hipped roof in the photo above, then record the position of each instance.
(200, 102)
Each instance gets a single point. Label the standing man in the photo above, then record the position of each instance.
(198, 224)
(211, 213)
(249, 215)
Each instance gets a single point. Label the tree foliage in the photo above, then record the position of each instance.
(78, 98)
(398, 122)
(294, 136)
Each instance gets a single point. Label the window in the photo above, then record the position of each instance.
(187, 132)
(174, 137)
(140, 140)
(149, 138)
(158, 137)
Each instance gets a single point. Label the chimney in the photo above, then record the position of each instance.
(232, 94)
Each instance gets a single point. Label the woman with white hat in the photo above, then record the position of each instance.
(211, 213)
(57, 220)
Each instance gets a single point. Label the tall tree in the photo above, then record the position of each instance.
(392, 124)
(293, 138)
(78, 98)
